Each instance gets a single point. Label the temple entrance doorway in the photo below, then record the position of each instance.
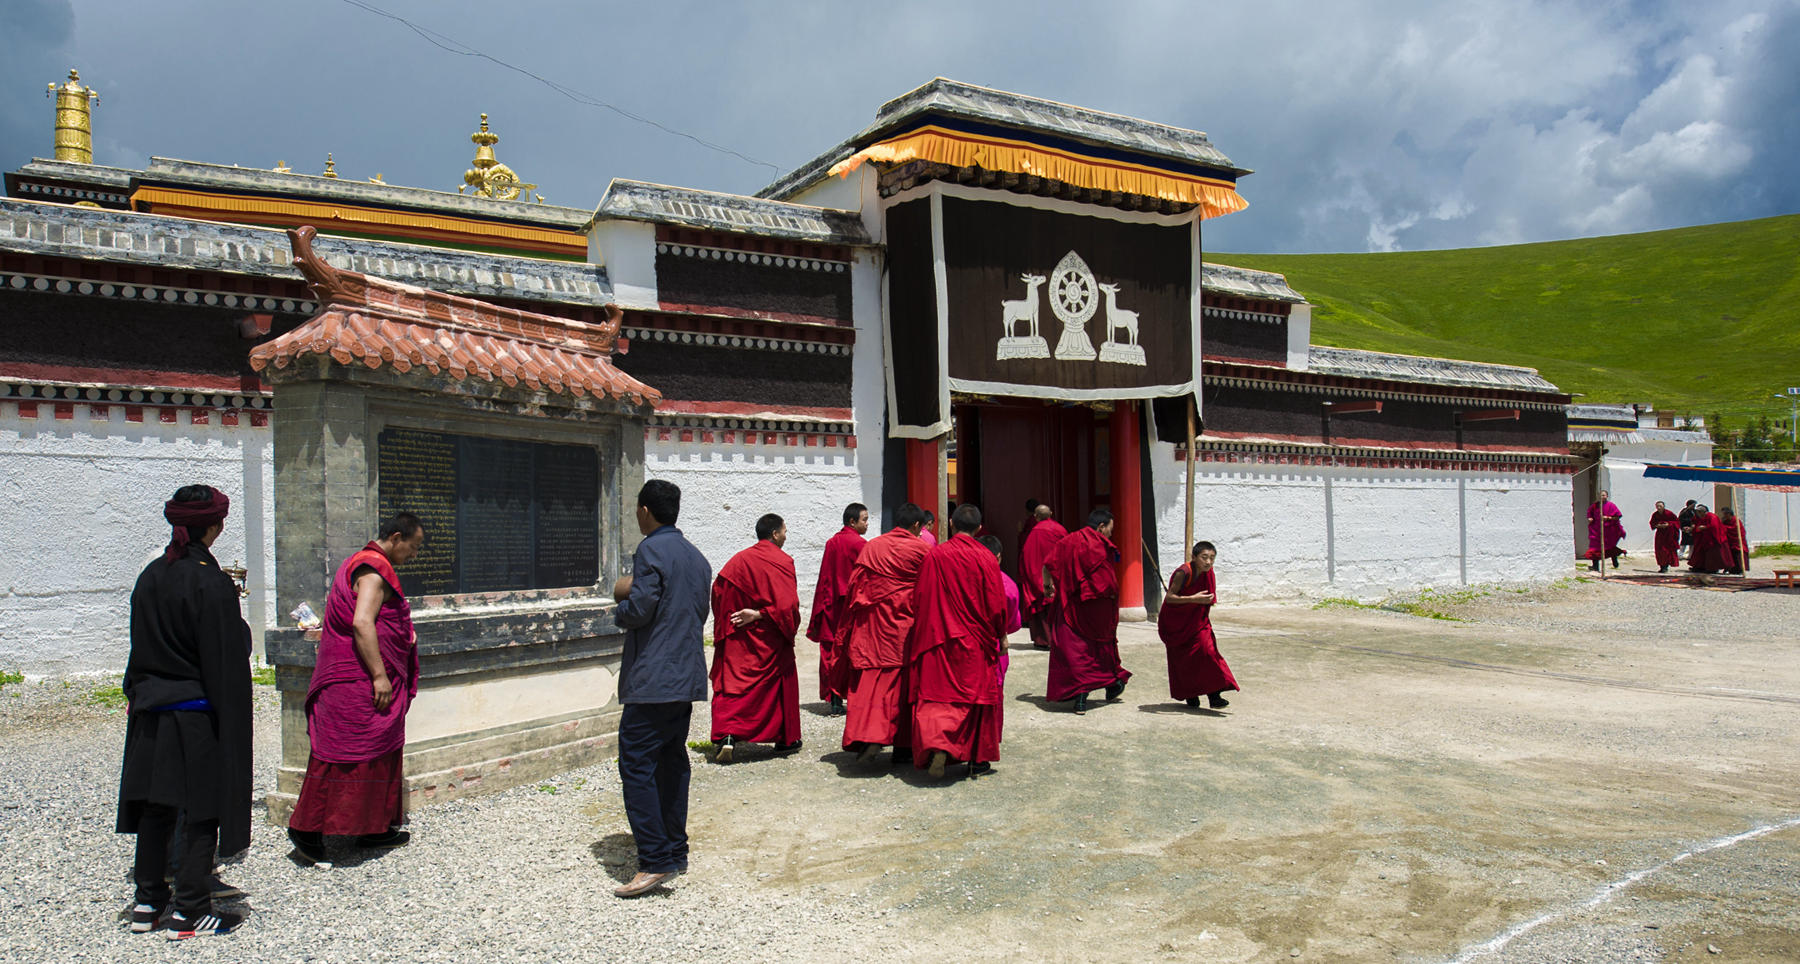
(1007, 451)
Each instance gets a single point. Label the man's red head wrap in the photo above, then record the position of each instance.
(184, 514)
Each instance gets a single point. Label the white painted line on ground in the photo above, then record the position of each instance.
(1606, 893)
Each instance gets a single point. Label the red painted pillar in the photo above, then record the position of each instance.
(1127, 507)
(925, 478)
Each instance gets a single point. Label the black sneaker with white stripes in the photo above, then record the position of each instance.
(217, 922)
(144, 918)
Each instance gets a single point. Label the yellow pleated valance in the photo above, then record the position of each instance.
(444, 227)
(957, 149)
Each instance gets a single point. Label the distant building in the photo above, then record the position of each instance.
(1015, 279)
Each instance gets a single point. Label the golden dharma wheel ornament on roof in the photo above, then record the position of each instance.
(489, 177)
(74, 123)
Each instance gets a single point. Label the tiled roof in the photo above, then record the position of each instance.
(1432, 371)
(735, 213)
(376, 322)
(1247, 283)
(949, 98)
(151, 240)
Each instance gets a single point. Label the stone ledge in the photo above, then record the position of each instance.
(518, 757)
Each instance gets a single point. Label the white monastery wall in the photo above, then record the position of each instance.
(1315, 531)
(81, 515)
(725, 488)
(1770, 516)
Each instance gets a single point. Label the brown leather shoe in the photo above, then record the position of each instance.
(642, 884)
(938, 759)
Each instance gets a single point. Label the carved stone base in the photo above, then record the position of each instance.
(1122, 354)
(1074, 346)
(1023, 346)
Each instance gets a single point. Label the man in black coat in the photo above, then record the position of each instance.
(187, 735)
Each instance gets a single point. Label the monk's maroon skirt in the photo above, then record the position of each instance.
(1196, 668)
(1079, 665)
(350, 799)
(876, 709)
(768, 712)
(969, 732)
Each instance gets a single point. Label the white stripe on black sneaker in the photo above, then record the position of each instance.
(180, 928)
(143, 918)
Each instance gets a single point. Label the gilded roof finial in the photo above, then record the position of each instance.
(281, 167)
(489, 177)
(330, 167)
(74, 127)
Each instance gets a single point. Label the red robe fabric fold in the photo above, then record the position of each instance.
(756, 687)
(340, 713)
(1195, 666)
(1039, 543)
(954, 655)
(1604, 528)
(1667, 526)
(1737, 548)
(878, 617)
(1084, 618)
(1710, 553)
(829, 596)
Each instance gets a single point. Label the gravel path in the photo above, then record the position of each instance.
(1388, 787)
(523, 875)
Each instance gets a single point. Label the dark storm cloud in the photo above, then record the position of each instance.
(37, 34)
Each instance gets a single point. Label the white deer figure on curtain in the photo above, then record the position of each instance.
(1025, 309)
(1117, 317)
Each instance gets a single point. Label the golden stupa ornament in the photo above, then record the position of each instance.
(330, 167)
(490, 178)
(74, 123)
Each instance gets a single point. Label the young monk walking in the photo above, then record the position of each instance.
(1185, 624)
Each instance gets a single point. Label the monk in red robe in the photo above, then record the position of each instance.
(1737, 543)
(1040, 541)
(1667, 527)
(954, 654)
(1605, 528)
(1185, 625)
(1082, 578)
(756, 611)
(878, 617)
(1710, 553)
(828, 604)
(363, 681)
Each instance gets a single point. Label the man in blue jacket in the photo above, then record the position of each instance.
(663, 606)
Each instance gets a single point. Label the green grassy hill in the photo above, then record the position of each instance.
(1694, 320)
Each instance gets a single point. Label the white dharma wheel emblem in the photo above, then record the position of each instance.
(1073, 299)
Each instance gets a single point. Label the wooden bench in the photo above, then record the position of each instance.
(1785, 577)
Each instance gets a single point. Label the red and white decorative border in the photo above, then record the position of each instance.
(59, 401)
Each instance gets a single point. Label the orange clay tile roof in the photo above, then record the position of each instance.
(378, 322)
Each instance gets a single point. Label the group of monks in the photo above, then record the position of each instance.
(912, 633)
(1712, 542)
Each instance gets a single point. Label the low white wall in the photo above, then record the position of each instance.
(81, 514)
(1315, 531)
(1770, 516)
(725, 488)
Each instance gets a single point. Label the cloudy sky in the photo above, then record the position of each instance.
(1371, 124)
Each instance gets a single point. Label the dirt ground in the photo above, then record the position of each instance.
(1386, 787)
